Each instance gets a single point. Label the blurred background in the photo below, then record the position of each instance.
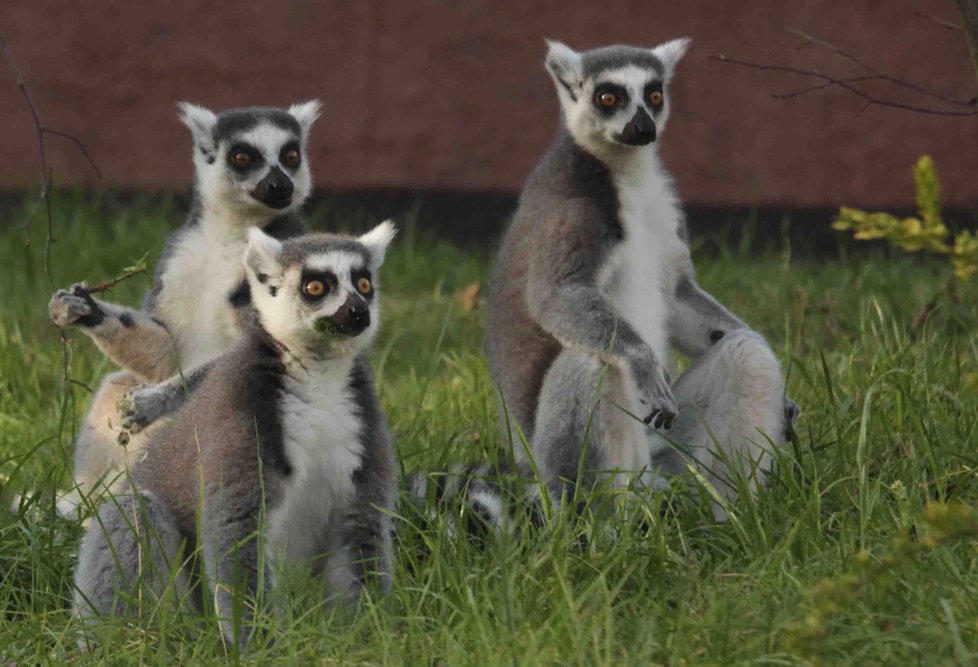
(449, 100)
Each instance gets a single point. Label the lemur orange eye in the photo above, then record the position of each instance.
(314, 288)
(607, 99)
(241, 159)
(655, 98)
(291, 158)
(363, 285)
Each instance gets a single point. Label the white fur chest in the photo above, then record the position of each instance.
(641, 275)
(198, 280)
(320, 430)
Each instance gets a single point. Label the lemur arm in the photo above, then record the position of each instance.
(698, 320)
(563, 296)
(133, 339)
(147, 403)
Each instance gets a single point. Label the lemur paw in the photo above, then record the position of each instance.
(74, 306)
(656, 396)
(137, 410)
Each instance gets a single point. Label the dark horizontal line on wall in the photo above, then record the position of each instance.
(478, 218)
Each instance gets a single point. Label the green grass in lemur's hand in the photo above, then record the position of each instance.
(839, 561)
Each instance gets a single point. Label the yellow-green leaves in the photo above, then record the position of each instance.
(926, 232)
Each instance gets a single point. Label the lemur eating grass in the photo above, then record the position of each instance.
(250, 172)
(283, 445)
(593, 288)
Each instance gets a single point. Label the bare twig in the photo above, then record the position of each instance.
(968, 10)
(882, 75)
(802, 91)
(47, 178)
(946, 24)
(80, 145)
(82, 385)
(108, 284)
(847, 85)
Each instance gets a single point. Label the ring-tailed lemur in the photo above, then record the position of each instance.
(594, 284)
(250, 171)
(284, 443)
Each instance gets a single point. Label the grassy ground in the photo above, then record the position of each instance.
(857, 553)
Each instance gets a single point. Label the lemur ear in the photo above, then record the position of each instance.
(306, 113)
(201, 122)
(671, 53)
(261, 257)
(564, 65)
(377, 240)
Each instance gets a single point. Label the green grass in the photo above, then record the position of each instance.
(834, 563)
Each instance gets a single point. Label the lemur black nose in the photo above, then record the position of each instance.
(351, 318)
(640, 130)
(275, 190)
(359, 317)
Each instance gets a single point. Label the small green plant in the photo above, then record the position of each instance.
(925, 233)
(941, 524)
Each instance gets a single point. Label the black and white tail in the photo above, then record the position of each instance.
(481, 499)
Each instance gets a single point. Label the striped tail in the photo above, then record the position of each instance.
(481, 499)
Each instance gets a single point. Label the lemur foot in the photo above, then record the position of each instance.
(791, 414)
(74, 306)
(655, 394)
(138, 408)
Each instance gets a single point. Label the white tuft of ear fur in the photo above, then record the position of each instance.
(564, 64)
(377, 240)
(261, 256)
(201, 122)
(306, 113)
(671, 53)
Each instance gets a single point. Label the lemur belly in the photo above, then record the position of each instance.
(194, 303)
(321, 437)
(644, 269)
(640, 278)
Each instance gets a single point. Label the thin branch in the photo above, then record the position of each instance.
(942, 22)
(843, 83)
(108, 284)
(39, 127)
(79, 144)
(44, 198)
(810, 89)
(882, 75)
(82, 385)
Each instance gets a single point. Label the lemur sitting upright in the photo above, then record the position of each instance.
(283, 443)
(594, 284)
(250, 171)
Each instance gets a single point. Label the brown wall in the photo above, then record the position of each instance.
(443, 94)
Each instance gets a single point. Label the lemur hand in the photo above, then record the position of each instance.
(655, 395)
(74, 306)
(138, 408)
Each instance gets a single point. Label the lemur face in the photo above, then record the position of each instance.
(252, 160)
(614, 98)
(318, 293)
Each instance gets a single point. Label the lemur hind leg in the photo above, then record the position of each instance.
(130, 548)
(100, 460)
(567, 423)
(731, 414)
(587, 428)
